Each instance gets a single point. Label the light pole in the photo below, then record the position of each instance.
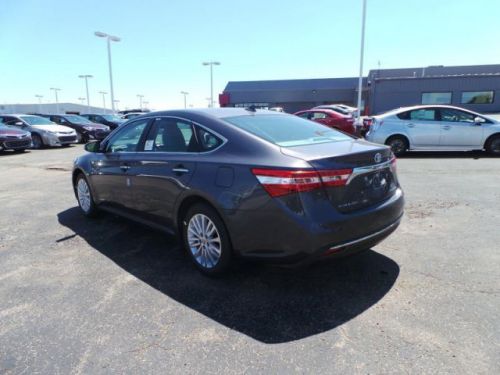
(209, 101)
(39, 102)
(86, 77)
(55, 89)
(117, 101)
(82, 100)
(360, 82)
(145, 104)
(140, 100)
(103, 93)
(211, 64)
(185, 93)
(109, 38)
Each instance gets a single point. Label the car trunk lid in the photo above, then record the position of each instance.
(355, 174)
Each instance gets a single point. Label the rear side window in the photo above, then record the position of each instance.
(287, 130)
(207, 141)
(318, 116)
(171, 135)
(423, 115)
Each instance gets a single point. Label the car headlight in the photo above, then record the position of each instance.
(51, 131)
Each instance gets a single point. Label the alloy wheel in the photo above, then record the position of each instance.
(83, 193)
(36, 141)
(398, 146)
(204, 241)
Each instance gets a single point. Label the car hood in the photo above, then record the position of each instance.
(53, 128)
(11, 131)
(330, 149)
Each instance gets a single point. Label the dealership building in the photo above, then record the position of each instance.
(475, 87)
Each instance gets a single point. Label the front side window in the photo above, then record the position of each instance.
(453, 115)
(423, 115)
(287, 130)
(128, 139)
(436, 98)
(477, 97)
(171, 135)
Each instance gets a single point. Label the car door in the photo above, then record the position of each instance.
(423, 127)
(459, 129)
(163, 169)
(110, 173)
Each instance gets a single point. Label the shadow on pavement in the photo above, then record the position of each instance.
(269, 304)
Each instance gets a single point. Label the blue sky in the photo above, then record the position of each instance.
(47, 43)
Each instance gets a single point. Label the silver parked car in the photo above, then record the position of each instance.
(435, 127)
(43, 131)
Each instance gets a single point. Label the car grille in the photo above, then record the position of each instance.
(67, 138)
(25, 143)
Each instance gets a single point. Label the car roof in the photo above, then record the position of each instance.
(220, 113)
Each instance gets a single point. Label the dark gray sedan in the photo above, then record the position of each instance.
(244, 182)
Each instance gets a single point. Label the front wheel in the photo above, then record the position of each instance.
(37, 141)
(206, 239)
(493, 146)
(84, 196)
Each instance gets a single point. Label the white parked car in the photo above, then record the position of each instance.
(43, 131)
(435, 127)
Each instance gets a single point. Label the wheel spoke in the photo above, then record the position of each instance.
(204, 241)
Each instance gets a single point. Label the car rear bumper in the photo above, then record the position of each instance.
(293, 238)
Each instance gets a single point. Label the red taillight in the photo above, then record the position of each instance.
(278, 182)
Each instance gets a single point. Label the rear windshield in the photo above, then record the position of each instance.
(287, 131)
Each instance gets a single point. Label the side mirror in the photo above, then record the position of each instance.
(94, 146)
(479, 120)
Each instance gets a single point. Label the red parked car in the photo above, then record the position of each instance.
(330, 118)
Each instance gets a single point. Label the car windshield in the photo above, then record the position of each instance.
(112, 118)
(77, 119)
(287, 131)
(36, 120)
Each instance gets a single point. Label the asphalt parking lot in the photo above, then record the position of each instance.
(107, 295)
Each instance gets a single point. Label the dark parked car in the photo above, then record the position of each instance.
(236, 182)
(86, 130)
(113, 121)
(14, 139)
(330, 118)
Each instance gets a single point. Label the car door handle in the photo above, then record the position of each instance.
(411, 125)
(447, 127)
(180, 170)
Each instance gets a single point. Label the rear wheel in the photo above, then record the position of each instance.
(206, 239)
(37, 141)
(493, 145)
(84, 196)
(398, 144)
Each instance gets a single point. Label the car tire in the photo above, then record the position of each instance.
(84, 196)
(398, 144)
(206, 239)
(37, 142)
(493, 145)
(81, 138)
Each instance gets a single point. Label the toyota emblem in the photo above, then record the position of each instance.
(378, 157)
